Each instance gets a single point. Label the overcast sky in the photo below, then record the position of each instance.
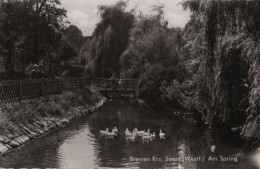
(83, 13)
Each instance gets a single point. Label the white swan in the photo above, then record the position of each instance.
(162, 135)
(103, 131)
(139, 133)
(128, 133)
(146, 139)
(153, 135)
(213, 148)
(115, 130)
(110, 133)
(147, 133)
(131, 138)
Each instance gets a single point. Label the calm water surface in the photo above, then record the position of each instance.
(80, 146)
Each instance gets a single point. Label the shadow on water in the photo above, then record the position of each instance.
(80, 145)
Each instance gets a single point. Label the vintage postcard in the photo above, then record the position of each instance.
(147, 84)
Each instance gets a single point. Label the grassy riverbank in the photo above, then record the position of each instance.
(21, 122)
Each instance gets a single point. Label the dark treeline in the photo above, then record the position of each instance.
(34, 32)
(210, 67)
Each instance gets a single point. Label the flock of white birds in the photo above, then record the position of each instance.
(132, 136)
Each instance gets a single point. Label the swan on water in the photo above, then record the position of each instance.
(162, 135)
(147, 133)
(128, 133)
(146, 139)
(131, 138)
(103, 131)
(139, 133)
(153, 135)
(115, 130)
(213, 148)
(110, 133)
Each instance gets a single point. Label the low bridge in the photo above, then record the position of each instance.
(116, 86)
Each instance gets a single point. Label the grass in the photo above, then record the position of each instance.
(64, 105)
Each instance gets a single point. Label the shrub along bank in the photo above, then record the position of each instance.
(20, 123)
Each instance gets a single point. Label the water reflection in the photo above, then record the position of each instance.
(256, 158)
(80, 145)
(78, 150)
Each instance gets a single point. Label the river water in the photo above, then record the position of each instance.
(79, 145)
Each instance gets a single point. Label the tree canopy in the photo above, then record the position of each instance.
(74, 35)
(32, 29)
(152, 54)
(109, 39)
(66, 52)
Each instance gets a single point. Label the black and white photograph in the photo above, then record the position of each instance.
(130, 84)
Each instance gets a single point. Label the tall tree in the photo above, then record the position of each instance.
(74, 35)
(47, 26)
(109, 39)
(228, 74)
(66, 52)
(34, 26)
(152, 54)
(14, 23)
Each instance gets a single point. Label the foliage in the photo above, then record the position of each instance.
(210, 67)
(112, 15)
(66, 52)
(109, 39)
(31, 29)
(226, 60)
(74, 35)
(151, 55)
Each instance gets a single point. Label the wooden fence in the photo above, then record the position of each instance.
(18, 90)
